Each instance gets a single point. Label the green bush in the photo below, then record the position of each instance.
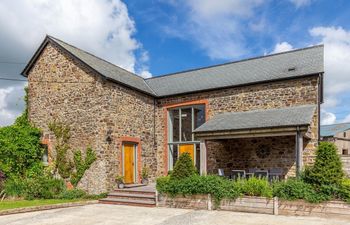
(294, 189)
(217, 186)
(37, 187)
(43, 187)
(255, 187)
(20, 146)
(327, 169)
(184, 167)
(344, 190)
(72, 194)
(14, 187)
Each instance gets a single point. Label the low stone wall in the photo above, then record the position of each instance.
(244, 204)
(248, 204)
(334, 209)
(188, 202)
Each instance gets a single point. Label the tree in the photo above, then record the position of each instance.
(183, 168)
(327, 169)
(20, 146)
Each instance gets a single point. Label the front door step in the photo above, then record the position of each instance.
(143, 196)
(133, 185)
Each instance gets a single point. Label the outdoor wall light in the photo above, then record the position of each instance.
(109, 136)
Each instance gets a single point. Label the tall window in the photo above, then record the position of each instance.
(181, 123)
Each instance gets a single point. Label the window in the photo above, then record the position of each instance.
(345, 152)
(45, 157)
(182, 121)
(344, 134)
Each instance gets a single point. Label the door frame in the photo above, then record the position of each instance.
(135, 169)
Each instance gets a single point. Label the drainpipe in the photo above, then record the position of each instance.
(299, 151)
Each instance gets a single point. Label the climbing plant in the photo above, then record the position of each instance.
(63, 164)
(81, 165)
(66, 168)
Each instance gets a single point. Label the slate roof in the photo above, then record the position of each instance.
(292, 64)
(332, 130)
(273, 67)
(271, 118)
(106, 69)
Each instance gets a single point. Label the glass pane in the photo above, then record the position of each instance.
(186, 124)
(174, 125)
(199, 115)
(173, 156)
(198, 157)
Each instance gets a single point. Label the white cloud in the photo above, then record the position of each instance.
(11, 103)
(217, 28)
(337, 66)
(300, 3)
(102, 27)
(328, 118)
(346, 119)
(282, 47)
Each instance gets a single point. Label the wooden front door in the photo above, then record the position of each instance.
(129, 163)
(189, 148)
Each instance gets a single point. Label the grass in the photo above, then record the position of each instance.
(12, 204)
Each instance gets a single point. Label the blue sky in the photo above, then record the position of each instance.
(155, 37)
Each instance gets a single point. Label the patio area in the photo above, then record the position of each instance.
(271, 157)
(274, 143)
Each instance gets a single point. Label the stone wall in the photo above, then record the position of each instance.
(242, 154)
(62, 89)
(279, 94)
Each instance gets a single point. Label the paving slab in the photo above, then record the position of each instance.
(99, 214)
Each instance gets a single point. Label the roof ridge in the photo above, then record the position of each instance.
(237, 61)
(57, 39)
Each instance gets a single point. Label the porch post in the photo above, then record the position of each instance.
(299, 152)
(203, 157)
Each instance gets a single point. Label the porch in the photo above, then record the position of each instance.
(266, 140)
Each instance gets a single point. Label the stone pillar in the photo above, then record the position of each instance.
(299, 152)
(203, 157)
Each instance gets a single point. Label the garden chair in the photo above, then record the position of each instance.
(237, 174)
(261, 173)
(275, 174)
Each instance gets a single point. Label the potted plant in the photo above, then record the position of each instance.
(120, 181)
(144, 175)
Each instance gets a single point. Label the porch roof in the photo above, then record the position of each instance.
(259, 119)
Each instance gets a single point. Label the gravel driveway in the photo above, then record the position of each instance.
(112, 214)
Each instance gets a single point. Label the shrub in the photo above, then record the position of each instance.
(255, 187)
(36, 187)
(20, 146)
(327, 169)
(14, 187)
(184, 167)
(294, 189)
(72, 194)
(344, 190)
(42, 187)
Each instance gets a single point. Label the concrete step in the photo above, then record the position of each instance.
(132, 202)
(135, 196)
(132, 191)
